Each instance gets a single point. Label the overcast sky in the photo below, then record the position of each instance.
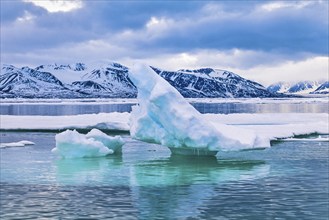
(266, 41)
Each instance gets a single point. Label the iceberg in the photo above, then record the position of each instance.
(72, 144)
(114, 143)
(164, 117)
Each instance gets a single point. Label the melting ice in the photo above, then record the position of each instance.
(114, 143)
(72, 144)
(163, 116)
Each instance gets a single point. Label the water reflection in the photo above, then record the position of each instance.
(145, 182)
(90, 171)
(231, 108)
(172, 187)
(65, 109)
(180, 170)
(181, 185)
(171, 171)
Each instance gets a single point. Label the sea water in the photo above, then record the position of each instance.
(287, 181)
(62, 108)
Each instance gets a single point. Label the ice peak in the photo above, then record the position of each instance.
(202, 70)
(55, 66)
(7, 67)
(114, 65)
(209, 72)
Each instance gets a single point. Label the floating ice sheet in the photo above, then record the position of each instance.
(16, 144)
(270, 125)
(104, 121)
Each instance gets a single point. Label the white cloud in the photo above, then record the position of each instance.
(27, 17)
(272, 6)
(315, 68)
(87, 51)
(140, 44)
(228, 59)
(260, 66)
(53, 6)
(216, 11)
(153, 21)
(155, 27)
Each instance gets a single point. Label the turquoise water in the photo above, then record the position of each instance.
(287, 181)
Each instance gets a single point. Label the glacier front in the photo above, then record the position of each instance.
(164, 117)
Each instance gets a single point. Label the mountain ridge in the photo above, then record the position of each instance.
(299, 88)
(112, 80)
(212, 83)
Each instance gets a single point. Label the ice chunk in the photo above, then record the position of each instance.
(16, 144)
(106, 121)
(113, 143)
(25, 142)
(71, 144)
(317, 139)
(12, 144)
(163, 116)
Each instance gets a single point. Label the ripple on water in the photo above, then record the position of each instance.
(288, 181)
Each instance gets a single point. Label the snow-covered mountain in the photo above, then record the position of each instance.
(66, 81)
(208, 82)
(280, 87)
(300, 88)
(30, 83)
(112, 80)
(322, 89)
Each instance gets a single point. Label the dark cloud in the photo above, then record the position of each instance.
(13, 9)
(195, 25)
(93, 21)
(285, 31)
(102, 16)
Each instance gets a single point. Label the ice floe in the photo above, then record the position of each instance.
(72, 144)
(317, 139)
(103, 121)
(271, 125)
(16, 144)
(275, 126)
